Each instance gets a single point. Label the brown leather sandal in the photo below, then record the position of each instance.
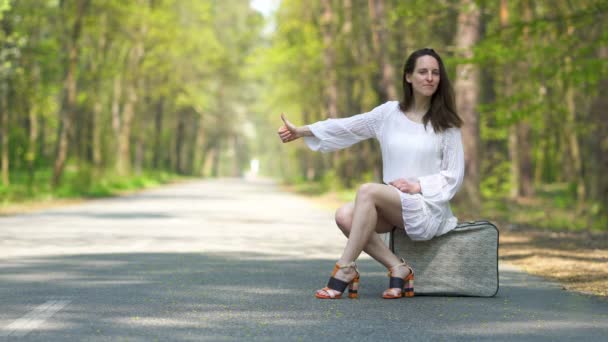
(405, 285)
(339, 285)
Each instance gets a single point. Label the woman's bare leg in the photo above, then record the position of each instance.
(373, 201)
(377, 209)
(375, 247)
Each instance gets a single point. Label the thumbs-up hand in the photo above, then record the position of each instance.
(288, 132)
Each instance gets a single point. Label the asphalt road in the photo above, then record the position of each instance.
(226, 260)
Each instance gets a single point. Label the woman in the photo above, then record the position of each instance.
(423, 167)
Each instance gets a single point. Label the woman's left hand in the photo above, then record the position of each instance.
(407, 187)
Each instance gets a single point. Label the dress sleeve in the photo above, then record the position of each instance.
(442, 186)
(334, 134)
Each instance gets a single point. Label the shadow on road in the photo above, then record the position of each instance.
(224, 296)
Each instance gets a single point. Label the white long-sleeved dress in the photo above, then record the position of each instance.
(409, 151)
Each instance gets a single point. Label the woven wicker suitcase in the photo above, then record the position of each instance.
(463, 262)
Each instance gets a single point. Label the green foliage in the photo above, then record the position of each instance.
(310, 188)
(497, 182)
(5, 5)
(538, 214)
(532, 64)
(208, 87)
(331, 182)
(79, 183)
(166, 74)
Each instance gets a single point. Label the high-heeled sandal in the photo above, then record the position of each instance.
(339, 285)
(405, 284)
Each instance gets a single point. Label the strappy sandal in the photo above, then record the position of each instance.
(339, 285)
(405, 285)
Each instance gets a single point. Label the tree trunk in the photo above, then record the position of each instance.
(140, 152)
(179, 142)
(310, 159)
(80, 138)
(116, 98)
(123, 164)
(541, 156)
(380, 42)
(31, 155)
(143, 129)
(572, 140)
(234, 146)
(526, 172)
(44, 151)
(4, 133)
(215, 162)
(347, 25)
(523, 127)
(190, 140)
(98, 63)
(96, 127)
(199, 145)
(158, 131)
(598, 143)
(467, 94)
(328, 24)
(68, 107)
(329, 60)
(348, 41)
(210, 152)
(514, 159)
(508, 92)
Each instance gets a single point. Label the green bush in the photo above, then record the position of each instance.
(78, 182)
(497, 183)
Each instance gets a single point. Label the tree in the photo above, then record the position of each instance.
(68, 107)
(380, 41)
(467, 96)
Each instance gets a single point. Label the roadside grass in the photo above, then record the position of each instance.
(76, 184)
(553, 208)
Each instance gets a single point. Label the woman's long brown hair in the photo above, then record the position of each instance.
(442, 112)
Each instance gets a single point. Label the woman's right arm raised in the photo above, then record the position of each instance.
(289, 132)
(337, 133)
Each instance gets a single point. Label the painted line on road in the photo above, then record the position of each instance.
(34, 318)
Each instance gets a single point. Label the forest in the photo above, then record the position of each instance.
(102, 95)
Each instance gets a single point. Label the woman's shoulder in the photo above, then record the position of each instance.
(387, 107)
(392, 105)
(382, 111)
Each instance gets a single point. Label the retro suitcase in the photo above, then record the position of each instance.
(463, 262)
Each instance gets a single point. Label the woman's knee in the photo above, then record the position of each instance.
(344, 217)
(385, 199)
(367, 191)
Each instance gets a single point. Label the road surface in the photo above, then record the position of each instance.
(228, 260)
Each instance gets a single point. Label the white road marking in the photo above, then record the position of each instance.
(34, 318)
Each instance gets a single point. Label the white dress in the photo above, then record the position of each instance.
(411, 152)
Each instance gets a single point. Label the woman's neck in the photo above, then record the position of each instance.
(420, 105)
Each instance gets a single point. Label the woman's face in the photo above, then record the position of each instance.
(425, 78)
